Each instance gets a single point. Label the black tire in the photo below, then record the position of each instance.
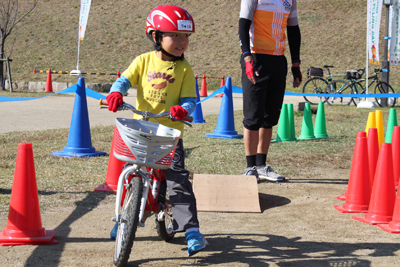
(379, 90)
(336, 88)
(165, 228)
(358, 89)
(128, 223)
(314, 85)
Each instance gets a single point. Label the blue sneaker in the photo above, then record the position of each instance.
(113, 233)
(195, 242)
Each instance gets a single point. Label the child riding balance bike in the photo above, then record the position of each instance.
(166, 83)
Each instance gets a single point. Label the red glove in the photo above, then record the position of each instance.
(178, 112)
(114, 101)
(249, 69)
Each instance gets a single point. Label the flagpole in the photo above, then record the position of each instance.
(367, 103)
(83, 17)
(79, 43)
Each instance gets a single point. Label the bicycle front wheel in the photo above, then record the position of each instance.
(391, 101)
(314, 86)
(129, 217)
(336, 89)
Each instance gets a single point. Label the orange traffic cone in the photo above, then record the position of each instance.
(24, 224)
(343, 196)
(394, 226)
(222, 84)
(118, 74)
(113, 171)
(203, 91)
(49, 83)
(396, 154)
(359, 187)
(383, 194)
(373, 152)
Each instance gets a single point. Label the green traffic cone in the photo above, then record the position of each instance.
(392, 121)
(320, 124)
(291, 122)
(283, 134)
(307, 132)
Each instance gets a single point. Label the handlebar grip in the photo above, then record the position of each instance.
(188, 119)
(103, 102)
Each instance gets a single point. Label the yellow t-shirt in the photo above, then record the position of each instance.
(160, 84)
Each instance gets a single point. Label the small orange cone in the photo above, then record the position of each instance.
(203, 91)
(24, 224)
(359, 187)
(396, 154)
(373, 152)
(383, 196)
(118, 75)
(34, 71)
(113, 171)
(49, 83)
(394, 226)
(343, 196)
(222, 84)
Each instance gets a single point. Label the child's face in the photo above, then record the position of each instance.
(175, 43)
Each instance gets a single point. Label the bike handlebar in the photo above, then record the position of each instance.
(145, 114)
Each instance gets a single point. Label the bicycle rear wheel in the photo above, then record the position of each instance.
(165, 227)
(391, 101)
(164, 219)
(337, 88)
(129, 217)
(314, 85)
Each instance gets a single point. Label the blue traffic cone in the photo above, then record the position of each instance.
(226, 123)
(79, 139)
(198, 112)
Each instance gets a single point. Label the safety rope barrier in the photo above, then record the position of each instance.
(68, 72)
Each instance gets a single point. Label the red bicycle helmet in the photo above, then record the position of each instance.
(169, 18)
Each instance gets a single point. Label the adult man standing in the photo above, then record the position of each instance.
(262, 26)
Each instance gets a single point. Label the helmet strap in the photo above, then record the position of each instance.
(157, 46)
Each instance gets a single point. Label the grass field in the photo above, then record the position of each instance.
(67, 181)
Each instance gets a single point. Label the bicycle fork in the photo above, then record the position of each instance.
(124, 178)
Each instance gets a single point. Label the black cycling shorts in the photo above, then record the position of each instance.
(262, 102)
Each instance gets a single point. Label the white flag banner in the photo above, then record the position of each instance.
(394, 57)
(374, 22)
(83, 17)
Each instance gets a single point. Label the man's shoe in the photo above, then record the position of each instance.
(266, 172)
(195, 242)
(251, 171)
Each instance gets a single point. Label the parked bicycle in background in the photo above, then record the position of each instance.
(348, 86)
(316, 83)
(379, 88)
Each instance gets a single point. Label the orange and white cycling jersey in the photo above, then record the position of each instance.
(269, 20)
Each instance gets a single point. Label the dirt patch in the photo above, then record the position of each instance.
(298, 226)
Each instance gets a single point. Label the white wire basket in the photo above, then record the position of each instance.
(145, 143)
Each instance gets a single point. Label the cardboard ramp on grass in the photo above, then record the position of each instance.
(226, 193)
